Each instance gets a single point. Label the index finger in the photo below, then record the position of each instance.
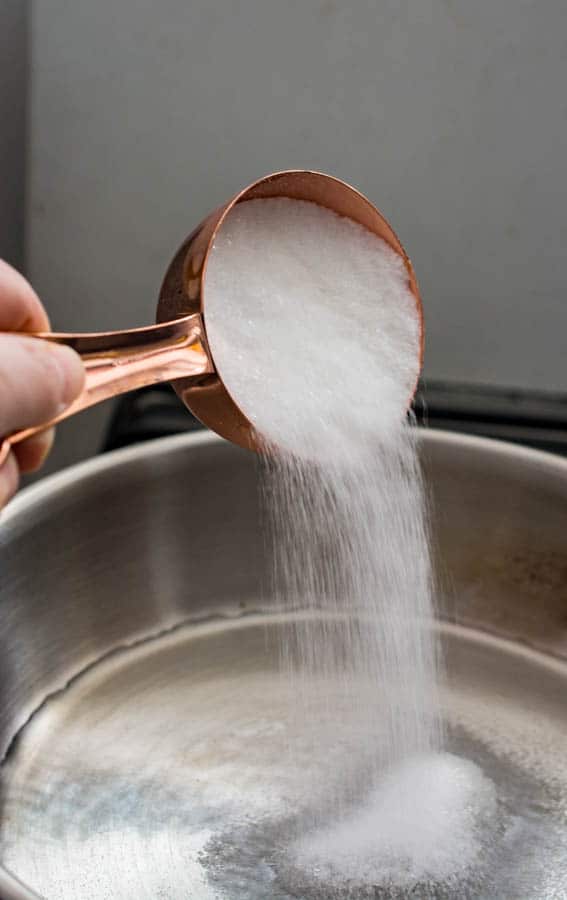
(20, 307)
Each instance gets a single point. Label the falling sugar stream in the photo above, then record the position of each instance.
(350, 542)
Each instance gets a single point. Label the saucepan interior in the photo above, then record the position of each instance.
(142, 717)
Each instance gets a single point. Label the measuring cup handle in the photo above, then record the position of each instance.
(119, 361)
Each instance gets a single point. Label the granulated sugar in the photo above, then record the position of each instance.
(316, 335)
(312, 326)
(424, 822)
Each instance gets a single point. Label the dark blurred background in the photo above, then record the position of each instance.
(122, 124)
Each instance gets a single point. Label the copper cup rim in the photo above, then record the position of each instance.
(212, 402)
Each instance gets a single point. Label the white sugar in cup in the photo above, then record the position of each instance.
(312, 325)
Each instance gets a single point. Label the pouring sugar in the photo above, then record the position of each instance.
(321, 351)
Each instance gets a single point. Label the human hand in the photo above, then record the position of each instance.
(37, 379)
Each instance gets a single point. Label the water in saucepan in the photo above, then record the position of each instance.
(316, 334)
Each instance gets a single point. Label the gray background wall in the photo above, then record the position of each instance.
(13, 96)
(450, 115)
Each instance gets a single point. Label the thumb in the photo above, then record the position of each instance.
(37, 381)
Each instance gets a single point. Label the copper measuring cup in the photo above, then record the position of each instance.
(176, 348)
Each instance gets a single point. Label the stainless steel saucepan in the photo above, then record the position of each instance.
(142, 718)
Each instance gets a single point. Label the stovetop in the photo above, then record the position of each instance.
(535, 419)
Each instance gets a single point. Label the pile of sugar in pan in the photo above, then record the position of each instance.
(316, 334)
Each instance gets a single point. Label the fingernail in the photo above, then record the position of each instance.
(69, 372)
(31, 454)
(9, 478)
(45, 442)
